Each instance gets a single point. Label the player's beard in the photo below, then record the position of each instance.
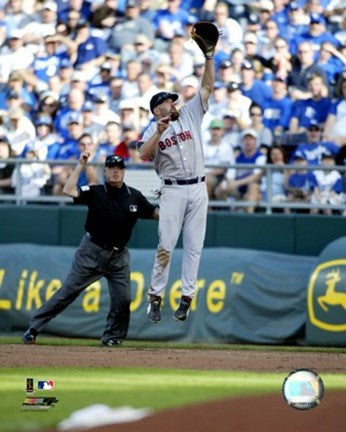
(174, 115)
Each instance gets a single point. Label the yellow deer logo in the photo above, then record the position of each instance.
(332, 297)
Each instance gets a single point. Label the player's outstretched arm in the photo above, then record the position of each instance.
(208, 79)
(206, 36)
(70, 187)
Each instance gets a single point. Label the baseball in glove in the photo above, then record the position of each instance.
(206, 35)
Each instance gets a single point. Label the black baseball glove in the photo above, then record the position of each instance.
(206, 35)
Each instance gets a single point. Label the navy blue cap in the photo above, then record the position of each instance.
(225, 64)
(158, 98)
(317, 18)
(314, 124)
(114, 161)
(247, 64)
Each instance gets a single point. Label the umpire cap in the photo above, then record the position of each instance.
(114, 161)
(161, 97)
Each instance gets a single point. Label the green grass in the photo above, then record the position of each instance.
(152, 388)
(156, 389)
(60, 341)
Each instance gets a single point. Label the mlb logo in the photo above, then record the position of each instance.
(133, 208)
(45, 385)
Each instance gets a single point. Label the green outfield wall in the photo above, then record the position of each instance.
(297, 234)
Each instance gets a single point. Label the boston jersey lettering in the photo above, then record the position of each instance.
(174, 139)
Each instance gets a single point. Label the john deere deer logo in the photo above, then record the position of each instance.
(332, 297)
(327, 296)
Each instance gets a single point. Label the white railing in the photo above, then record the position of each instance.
(138, 177)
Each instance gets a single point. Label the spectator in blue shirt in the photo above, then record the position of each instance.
(316, 34)
(299, 182)
(251, 87)
(277, 109)
(46, 63)
(315, 109)
(332, 61)
(90, 48)
(170, 21)
(244, 183)
(314, 147)
(295, 25)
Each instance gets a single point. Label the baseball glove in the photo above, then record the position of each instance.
(206, 35)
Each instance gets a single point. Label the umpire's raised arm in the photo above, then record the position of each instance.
(70, 187)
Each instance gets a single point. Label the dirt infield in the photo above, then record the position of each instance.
(267, 413)
(83, 356)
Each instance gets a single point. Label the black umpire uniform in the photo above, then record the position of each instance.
(112, 214)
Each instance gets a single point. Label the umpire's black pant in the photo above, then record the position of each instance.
(90, 263)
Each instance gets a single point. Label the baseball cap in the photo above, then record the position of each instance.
(16, 34)
(15, 113)
(316, 18)
(65, 63)
(219, 85)
(100, 98)
(266, 5)
(13, 95)
(251, 38)
(298, 155)
(190, 81)
(216, 124)
(158, 98)
(314, 125)
(43, 120)
(106, 66)
(141, 39)
(74, 117)
(132, 3)
(225, 64)
(114, 161)
(87, 106)
(253, 19)
(15, 76)
(247, 64)
(249, 131)
(293, 6)
(78, 75)
(233, 86)
(49, 5)
(327, 155)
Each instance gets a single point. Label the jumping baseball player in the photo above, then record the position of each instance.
(174, 143)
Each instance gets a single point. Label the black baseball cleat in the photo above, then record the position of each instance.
(153, 312)
(182, 312)
(111, 343)
(29, 338)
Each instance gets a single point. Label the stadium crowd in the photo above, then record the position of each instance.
(78, 74)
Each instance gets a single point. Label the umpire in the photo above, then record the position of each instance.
(113, 210)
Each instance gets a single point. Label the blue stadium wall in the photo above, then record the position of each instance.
(297, 234)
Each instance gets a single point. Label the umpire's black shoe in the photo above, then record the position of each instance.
(29, 337)
(182, 312)
(111, 343)
(153, 312)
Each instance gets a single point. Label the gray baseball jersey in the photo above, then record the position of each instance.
(180, 151)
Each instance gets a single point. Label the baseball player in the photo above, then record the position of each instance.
(174, 143)
(113, 210)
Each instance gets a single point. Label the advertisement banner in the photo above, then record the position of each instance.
(242, 295)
